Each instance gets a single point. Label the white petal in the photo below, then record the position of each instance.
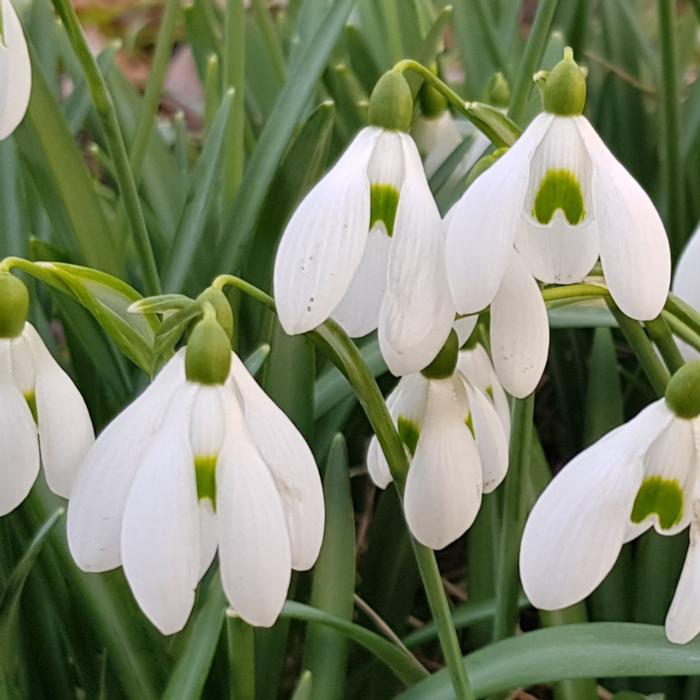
(634, 248)
(491, 438)
(160, 535)
(436, 138)
(98, 497)
(519, 331)
(65, 428)
(683, 619)
(577, 527)
(323, 243)
(484, 223)
(417, 312)
(686, 284)
(254, 548)
(291, 464)
(464, 327)
(386, 165)
(559, 252)
(444, 483)
(19, 457)
(15, 72)
(358, 312)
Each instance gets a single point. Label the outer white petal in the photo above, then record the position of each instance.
(444, 483)
(491, 438)
(464, 327)
(519, 331)
(559, 252)
(323, 243)
(160, 533)
(377, 466)
(634, 248)
(683, 618)
(291, 464)
(436, 138)
(98, 497)
(254, 548)
(577, 527)
(686, 283)
(65, 428)
(19, 456)
(358, 312)
(484, 223)
(417, 312)
(15, 72)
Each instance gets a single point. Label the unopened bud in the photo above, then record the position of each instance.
(683, 391)
(564, 87)
(391, 103)
(14, 305)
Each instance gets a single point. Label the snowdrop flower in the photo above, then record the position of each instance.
(457, 444)
(203, 459)
(561, 197)
(642, 474)
(43, 418)
(686, 283)
(366, 245)
(15, 68)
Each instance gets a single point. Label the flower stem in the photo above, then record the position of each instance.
(108, 118)
(507, 580)
(241, 656)
(532, 56)
(671, 126)
(661, 335)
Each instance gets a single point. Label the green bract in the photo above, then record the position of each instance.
(683, 392)
(14, 305)
(208, 358)
(446, 360)
(564, 87)
(391, 103)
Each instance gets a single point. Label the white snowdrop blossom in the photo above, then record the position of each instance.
(15, 71)
(43, 420)
(562, 198)
(188, 468)
(366, 247)
(686, 283)
(458, 449)
(642, 474)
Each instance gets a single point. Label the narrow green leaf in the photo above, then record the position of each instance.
(305, 687)
(241, 656)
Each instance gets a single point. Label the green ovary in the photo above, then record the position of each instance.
(205, 472)
(559, 189)
(409, 433)
(661, 496)
(30, 398)
(384, 201)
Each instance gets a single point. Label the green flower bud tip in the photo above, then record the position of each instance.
(14, 305)
(564, 87)
(498, 90)
(208, 356)
(683, 391)
(391, 103)
(432, 103)
(445, 361)
(218, 300)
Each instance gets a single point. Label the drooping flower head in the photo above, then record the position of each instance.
(43, 418)
(202, 460)
(563, 200)
(456, 441)
(643, 474)
(366, 245)
(15, 70)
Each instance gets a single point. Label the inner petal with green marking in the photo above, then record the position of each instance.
(663, 497)
(384, 201)
(205, 471)
(30, 398)
(409, 432)
(559, 189)
(470, 424)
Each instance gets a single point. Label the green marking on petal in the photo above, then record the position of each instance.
(489, 392)
(409, 433)
(470, 424)
(384, 201)
(30, 398)
(661, 496)
(559, 189)
(205, 471)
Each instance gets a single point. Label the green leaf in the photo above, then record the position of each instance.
(257, 359)
(305, 687)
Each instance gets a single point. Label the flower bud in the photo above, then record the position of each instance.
(445, 361)
(683, 391)
(218, 300)
(14, 305)
(208, 356)
(497, 90)
(564, 87)
(432, 103)
(391, 103)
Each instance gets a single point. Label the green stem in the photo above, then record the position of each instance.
(507, 581)
(108, 118)
(671, 137)
(682, 331)
(530, 62)
(661, 335)
(344, 353)
(498, 128)
(241, 656)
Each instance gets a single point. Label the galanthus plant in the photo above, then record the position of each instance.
(15, 70)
